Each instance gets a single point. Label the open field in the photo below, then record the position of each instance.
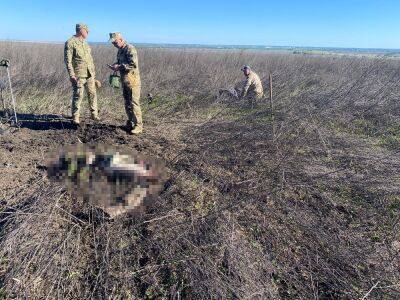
(298, 202)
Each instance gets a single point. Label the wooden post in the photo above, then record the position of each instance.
(270, 91)
(271, 102)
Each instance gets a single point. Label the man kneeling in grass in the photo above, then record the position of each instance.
(253, 88)
(250, 89)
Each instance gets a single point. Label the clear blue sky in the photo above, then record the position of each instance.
(327, 23)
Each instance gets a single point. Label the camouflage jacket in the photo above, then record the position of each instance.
(253, 86)
(128, 59)
(78, 58)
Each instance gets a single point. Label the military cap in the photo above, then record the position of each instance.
(80, 26)
(114, 36)
(246, 68)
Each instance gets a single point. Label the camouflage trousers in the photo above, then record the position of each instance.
(131, 87)
(78, 91)
(236, 93)
(254, 96)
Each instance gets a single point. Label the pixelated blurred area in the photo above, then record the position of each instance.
(103, 177)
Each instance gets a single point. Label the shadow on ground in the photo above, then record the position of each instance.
(42, 122)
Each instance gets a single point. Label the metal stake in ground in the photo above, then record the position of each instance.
(2, 88)
(12, 95)
(6, 63)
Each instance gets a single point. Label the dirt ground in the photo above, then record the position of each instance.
(241, 214)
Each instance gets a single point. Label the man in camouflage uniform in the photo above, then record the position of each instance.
(81, 71)
(253, 88)
(127, 65)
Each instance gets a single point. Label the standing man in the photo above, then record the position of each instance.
(127, 65)
(253, 88)
(81, 71)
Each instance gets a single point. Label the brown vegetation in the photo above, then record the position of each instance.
(311, 211)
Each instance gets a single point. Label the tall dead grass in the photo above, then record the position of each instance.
(309, 209)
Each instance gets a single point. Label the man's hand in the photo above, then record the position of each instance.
(73, 80)
(115, 67)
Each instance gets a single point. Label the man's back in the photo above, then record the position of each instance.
(253, 86)
(256, 83)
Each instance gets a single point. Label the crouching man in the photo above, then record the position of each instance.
(253, 88)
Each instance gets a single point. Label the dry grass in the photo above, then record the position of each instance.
(311, 211)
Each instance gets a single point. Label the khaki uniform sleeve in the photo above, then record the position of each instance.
(131, 60)
(246, 87)
(68, 53)
(118, 61)
(90, 58)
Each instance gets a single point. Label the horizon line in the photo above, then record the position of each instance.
(280, 47)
